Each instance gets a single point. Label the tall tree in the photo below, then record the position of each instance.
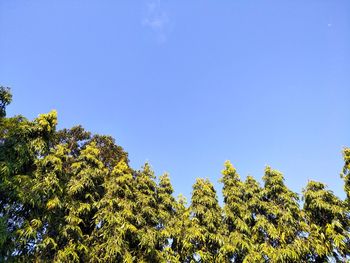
(45, 195)
(205, 232)
(6, 195)
(23, 144)
(16, 158)
(166, 212)
(346, 175)
(181, 246)
(253, 198)
(114, 219)
(84, 190)
(236, 215)
(5, 99)
(146, 221)
(279, 221)
(328, 235)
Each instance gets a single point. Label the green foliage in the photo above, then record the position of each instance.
(205, 233)
(5, 99)
(181, 239)
(346, 175)
(71, 196)
(114, 220)
(146, 219)
(253, 200)
(328, 224)
(166, 213)
(236, 216)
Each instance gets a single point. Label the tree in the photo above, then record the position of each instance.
(236, 216)
(205, 231)
(346, 175)
(279, 220)
(45, 195)
(328, 235)
(16, 158)
(253, 198)
(181, 245)
(145, 210)
(114, 219)
(166, 213)
(23, 146)
(5, 99)
(84, 190)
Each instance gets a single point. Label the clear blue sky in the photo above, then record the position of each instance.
(187, 85)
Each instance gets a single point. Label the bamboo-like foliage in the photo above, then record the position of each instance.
(205, 231)
(166, 213)
(328, 224)
(146, 218)
(253, 200)
(114, 220)
(346, 175)
(72, 196)
(236, 216)
(181, 246)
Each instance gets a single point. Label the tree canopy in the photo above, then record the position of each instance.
(71, 196)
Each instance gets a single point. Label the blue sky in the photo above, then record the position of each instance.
(187, 85)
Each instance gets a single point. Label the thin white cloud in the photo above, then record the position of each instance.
(157, 20)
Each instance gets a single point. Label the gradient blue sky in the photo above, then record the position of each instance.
(187, 85)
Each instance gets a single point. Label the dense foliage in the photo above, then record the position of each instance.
(70, 196)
